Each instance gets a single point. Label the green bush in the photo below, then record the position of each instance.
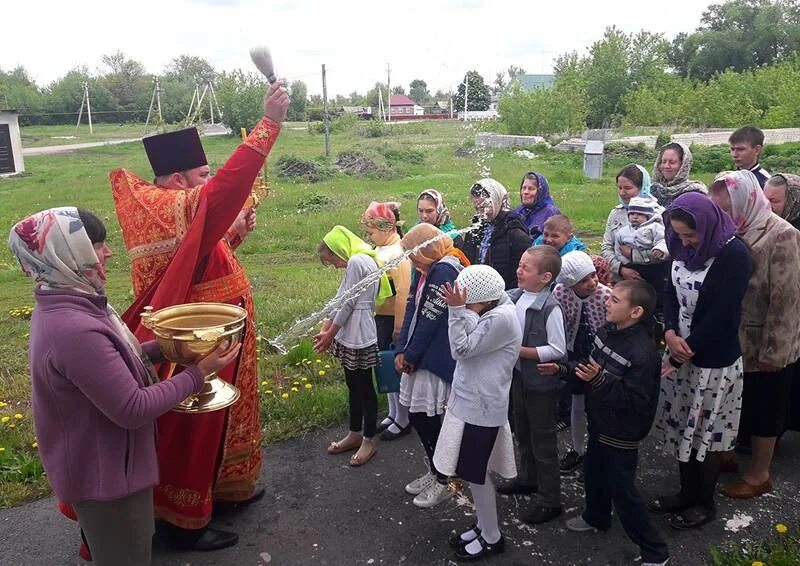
(662, 139)
(338, 125)
(396, 155)
(373, 129)
(313, 202)
(781, 549)
(711, 159)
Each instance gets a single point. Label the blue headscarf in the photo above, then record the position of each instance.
(535, 215)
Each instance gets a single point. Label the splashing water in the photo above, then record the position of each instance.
(301, 327)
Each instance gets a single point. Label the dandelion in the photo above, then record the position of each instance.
(781, 528)
(321, 372)
(304, 360)
(34, 445)
(295, 389)
(297, 364)
(268, 391)
(327, 366)
(5, 419)
(18, 416)
(757, 563)
(296, 383)
(12, 425)
(303, 379)
(3, 404)
(285, 396)
(318, 361)
(2, 449)
(308, 386)
(263, 383)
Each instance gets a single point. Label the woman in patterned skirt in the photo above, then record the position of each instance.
(701, 394)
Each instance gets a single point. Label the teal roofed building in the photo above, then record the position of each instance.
(531, 82)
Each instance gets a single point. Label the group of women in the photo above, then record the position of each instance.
(729, 311)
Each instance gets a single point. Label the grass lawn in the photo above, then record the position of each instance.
(279, 256)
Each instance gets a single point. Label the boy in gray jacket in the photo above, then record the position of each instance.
(534, 397)
(484, 340)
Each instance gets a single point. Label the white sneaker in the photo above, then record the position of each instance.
(433, 495)
(578, 525)
(420, 484)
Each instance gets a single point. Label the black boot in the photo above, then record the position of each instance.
(681, 500)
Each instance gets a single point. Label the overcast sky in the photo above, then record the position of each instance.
(435, 40)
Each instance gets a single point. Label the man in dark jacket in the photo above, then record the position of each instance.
(622, 380)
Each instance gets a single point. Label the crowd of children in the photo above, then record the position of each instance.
(485, 350)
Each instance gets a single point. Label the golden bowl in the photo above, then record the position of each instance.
(188, 333)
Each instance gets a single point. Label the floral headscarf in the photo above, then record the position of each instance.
(54, 250)
(791, 212)
(666, 191)
(345, 245)
(714, 227)
(497, 194)
(434, 251)
(535, 215)
(380, 215)
(443, 221)
(750, 208)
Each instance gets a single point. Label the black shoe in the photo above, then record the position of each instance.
(515, 487)
(457, 542)
(570, 462)
(693, 518)
(538, 514)
(389, 435)
(226, 506)
(668, 504)
(203, 540)
(486, 550)
(381, 427)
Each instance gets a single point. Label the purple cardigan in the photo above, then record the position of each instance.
(93, 413)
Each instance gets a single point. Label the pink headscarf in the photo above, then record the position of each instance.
(750, 208)
(380, 215)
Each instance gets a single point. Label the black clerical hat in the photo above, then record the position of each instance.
(175, 151)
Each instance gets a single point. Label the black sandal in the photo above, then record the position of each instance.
(693, 518)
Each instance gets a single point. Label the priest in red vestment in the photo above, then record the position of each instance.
(181, 232)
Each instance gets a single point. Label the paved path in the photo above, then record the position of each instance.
(318, 510)
(51, 149)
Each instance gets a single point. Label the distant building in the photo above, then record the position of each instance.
(532, 82)
(401, 105)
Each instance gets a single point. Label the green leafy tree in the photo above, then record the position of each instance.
(127, 81)
(241, 96)
(478, 95)
(192, 69)
(63, 98)
(298, 97)
(738, 35)
(19, 91)
(398, 90)
(418, 91)
(499, 83)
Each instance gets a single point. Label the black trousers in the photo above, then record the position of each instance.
(428, 429)
(363, 401)
(610, 475)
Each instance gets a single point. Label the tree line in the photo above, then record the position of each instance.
(741, 65)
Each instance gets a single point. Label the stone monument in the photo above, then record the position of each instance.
(10, 144)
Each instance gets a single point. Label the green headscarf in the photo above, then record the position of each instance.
(345, 245)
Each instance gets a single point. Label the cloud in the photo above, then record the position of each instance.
(435, 40)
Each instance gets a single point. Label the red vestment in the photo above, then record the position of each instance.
(178, 255)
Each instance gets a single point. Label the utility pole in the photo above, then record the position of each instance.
(389, 94)
(325, 113)
(85, 101)
(466, 93)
